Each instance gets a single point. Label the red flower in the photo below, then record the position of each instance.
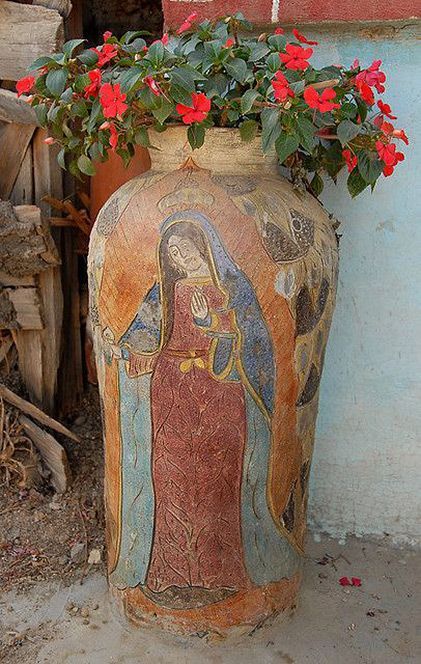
(400, 133)
(25, 84)
(112, 100)
(356, 64)
(323, 102)
(365, 91)
(198, 111)
(152, 85)
(113, 133)
(107, 53)
(279, 31)
(344, 581)
(93, 89)
(296, 57)
(49, 140)
(300, 37)
(281, 87)
(386, 110)
(355, 581)
(107, 35)
(230, 42)
(164, 40)
(187, 24)
(350, 159)
(373, 76)
(387, 153)
(113, 136)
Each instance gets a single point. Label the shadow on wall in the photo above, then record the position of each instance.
(117, 16)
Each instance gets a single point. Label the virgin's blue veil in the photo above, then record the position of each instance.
(268, 555)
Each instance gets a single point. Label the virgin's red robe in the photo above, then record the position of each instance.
(199, 432)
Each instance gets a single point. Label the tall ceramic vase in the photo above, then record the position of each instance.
(212, 284)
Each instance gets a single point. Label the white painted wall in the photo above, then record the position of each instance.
(366, 476)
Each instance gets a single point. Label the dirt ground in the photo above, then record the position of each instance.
(47, 536)
(54, 604)
(377, 623)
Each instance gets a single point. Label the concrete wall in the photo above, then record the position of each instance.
(367, 464)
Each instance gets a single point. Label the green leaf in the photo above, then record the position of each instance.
(162, 108)
(278, 42)
(369, 166)
(67, 96)
(88, 57)
(306, 131)
(129, 78)
(183, 78)
(356, 183)
(286, 144)
(347, 130)
(95, 112)
(297, 86)
(362, 109)
(156, 54)
(96, 151)
(80, 109)
(81, 82)
(70, 46)
(273, 63)
(271, 128)
(41, 113)
(196, 135)
(41, 62)
(85, 165)
(236, 68)
(128, 37)
(317, 184)
(61, 160)
(248, 130)
(258, 51)
(180, 96)
(56, 81)
(141, 137)
(247, 100)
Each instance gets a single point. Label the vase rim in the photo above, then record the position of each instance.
(223, 151)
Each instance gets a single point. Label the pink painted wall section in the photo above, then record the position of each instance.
(292, 11)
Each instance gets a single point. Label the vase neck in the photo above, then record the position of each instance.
(222, 152)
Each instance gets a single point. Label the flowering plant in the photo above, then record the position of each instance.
(214, 74)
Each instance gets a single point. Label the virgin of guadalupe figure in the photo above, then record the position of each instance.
(197, 374)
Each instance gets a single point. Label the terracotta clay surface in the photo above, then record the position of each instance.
(212, 285)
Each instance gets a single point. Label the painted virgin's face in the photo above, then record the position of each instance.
(185, 255)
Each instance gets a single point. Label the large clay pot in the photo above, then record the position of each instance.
(212, 283)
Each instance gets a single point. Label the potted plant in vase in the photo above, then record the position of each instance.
(212, 284)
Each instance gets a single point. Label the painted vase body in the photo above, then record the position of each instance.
(212, 286)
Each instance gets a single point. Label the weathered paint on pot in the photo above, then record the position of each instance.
(212, 284)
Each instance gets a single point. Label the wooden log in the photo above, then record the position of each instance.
(26, 32)
(12, 280)
(34, 412)
(26, 245)
(16, 109)
(23, 189)
(63, 7)
(20, 309)
(52, 453)
(5, 345)
(48, 180)
(14, 141)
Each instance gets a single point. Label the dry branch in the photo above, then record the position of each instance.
(36, 413)
(52, 453)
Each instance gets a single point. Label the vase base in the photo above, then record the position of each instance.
(229, 613)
